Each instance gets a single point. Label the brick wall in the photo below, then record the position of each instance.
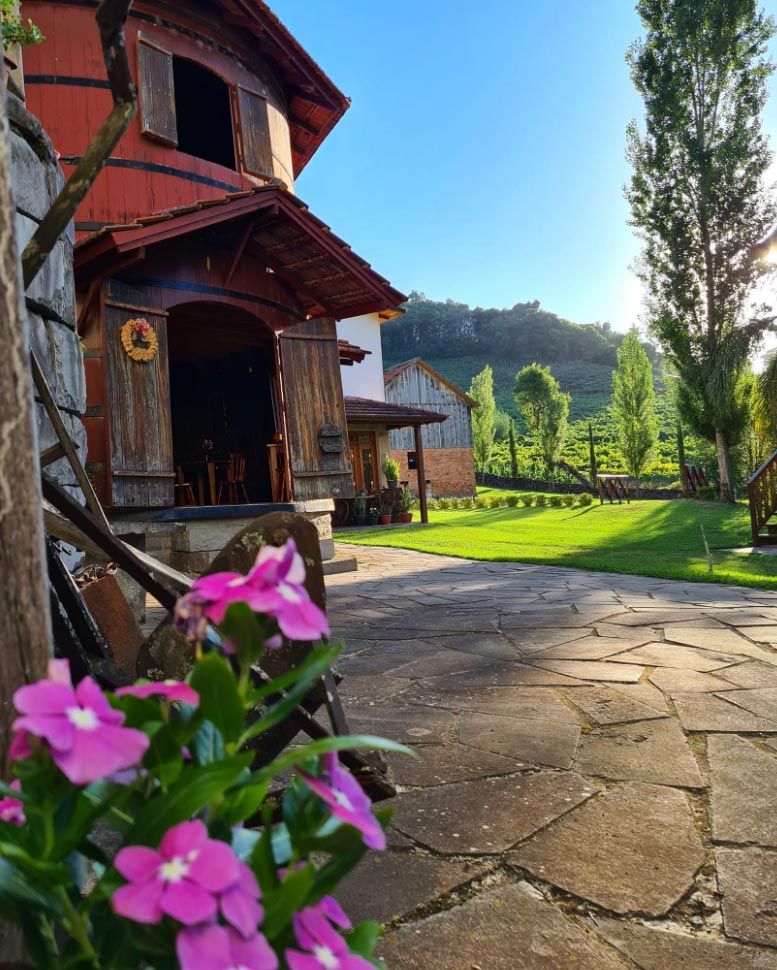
(450, 471)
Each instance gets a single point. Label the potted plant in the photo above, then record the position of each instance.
(360, 508)
(16, 34)
(373, 515)
(391, 471)
(405, 502)
(384, 509)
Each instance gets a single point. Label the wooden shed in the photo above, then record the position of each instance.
(449, 460)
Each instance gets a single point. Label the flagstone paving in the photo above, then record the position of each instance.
(597, 775)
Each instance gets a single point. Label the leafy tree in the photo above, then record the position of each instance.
(513, 450)
(634, 405)
(545, 409)
(483, 416)
(698, 199)
(765, 403)
(501, 425)
(592, 453)
(681, 453)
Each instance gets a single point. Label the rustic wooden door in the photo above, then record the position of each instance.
(319, 457)
(138, 403)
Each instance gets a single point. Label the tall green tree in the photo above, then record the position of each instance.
(698, 199)
(513, 450)
(592, 454)
(681, 453)
(634, 405)
(545, 409)
(483, 416)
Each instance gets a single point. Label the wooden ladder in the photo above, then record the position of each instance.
(762, 495)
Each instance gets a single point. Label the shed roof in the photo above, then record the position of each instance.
(277, 228)
(362, 409)
(351, 354)
(315, 103)
(392, 373)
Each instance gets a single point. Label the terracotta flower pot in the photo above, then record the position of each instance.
(385, 519)
(405, 517)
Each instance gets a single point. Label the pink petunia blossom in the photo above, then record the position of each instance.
(182, 880)
(273, 586)
(325, 948)
(84, 733)
(170, 690)
(11, 809)
(346, 799)
(216, 947)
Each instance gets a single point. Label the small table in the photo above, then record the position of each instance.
(205, 470)
(613, 486)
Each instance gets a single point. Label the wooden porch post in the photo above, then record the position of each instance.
(421, 472)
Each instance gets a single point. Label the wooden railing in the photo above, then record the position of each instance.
(693, 479)
(762, 494)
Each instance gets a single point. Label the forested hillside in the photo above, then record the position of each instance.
(458, 341)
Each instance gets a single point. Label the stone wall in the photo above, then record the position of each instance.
(449, 471)
(573, 488)
(51, 311)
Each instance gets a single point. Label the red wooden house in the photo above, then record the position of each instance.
(194, 230)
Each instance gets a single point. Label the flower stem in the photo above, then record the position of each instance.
(75, 923)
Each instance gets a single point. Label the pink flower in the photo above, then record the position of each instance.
(273, 586)
(326, 949)
(83, 731)
(239, 904)
(171, 690)
(19, 747)
(183, 879)
(189, 617)
(346, 799)
(221, 948)
(11, 809)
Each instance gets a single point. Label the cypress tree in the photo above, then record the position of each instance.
(592, 454)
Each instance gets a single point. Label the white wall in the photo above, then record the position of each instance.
(364, 379)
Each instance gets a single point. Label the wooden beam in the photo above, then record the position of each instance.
(421, 472)
(239, 250)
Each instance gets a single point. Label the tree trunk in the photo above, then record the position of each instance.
(25, 632)
(724, 467)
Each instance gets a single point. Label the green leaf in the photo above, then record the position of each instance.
(287, 898)
(262, 861)
(164, 758)
(331, 874)
(246, 629)
(243, 803)
(196, 788)
(207, 745)
(19, 893)
(220, 701)
(297, 756)
(363, 938)
(316, 664)
(46, 872)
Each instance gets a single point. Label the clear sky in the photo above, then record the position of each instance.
(482, 158)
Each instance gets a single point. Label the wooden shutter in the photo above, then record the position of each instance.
(157, 92)
(315, 412)
(255, 146)
(138, 404)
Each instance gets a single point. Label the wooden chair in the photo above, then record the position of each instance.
(183, 486)
(236, 481)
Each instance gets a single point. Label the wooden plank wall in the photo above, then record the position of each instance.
(416, 387)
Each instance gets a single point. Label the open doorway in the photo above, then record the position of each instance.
(224, 398)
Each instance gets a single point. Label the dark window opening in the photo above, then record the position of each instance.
(204, 114)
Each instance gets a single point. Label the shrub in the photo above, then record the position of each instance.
(541, 501)
(454, 503)
(707, 493)
(494, 501)
(585, 499)
(481, 502)
(443, 504)
(568, 500)
(467, 502)
(555, 501)
(527, 500)
(172, 778)
(512, 501)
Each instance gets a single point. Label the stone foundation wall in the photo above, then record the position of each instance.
(450, 471)
(51, 308)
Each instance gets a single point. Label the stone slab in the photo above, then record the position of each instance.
(634, 849)
(391, 884)
(441, 764)
(707, 712)
(523, 702)
(441, 662)
(743, 792)
(535, 741)
(409, 724)
(655, 752)
(654, 948)
(485, 817)
(628, 673)
(504, 929)
(670, 655)
(747, 878)
(603, 705)
(764, 634)
(752, 673)
(500, 675)
(723, 641)
(535, 640)
(588, 648)
(761, 701)
(672, 681)
(644, 694)
(542, 615)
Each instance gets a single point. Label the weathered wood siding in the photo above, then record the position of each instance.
(138, 405)
(67, 90)
(313, 400)
(420, 389)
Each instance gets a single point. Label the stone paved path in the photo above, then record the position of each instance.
(597, 783)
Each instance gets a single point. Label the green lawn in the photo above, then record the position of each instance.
(646, 538)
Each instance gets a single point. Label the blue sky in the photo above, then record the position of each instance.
(482, 158)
